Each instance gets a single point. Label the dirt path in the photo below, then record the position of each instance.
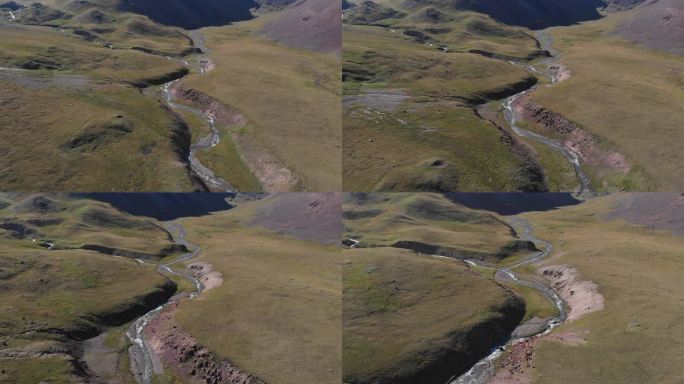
(143, 362)
(484, 371)
(556, 73)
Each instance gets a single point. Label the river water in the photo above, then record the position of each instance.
(512, 118)
(210, 179)
(142, 363)
(485, 369)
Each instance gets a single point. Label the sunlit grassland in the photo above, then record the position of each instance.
(429, 219)
(278, 295)
(627, 95)
(637, 337)
(402, 310)
(290, 98)
(431, 123)
(43, 111)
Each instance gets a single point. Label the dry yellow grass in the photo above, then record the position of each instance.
(637, 338)
(277, 313)
(627, 95)
(290, 97)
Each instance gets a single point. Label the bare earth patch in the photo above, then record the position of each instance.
(204, 272)
(307, 216)
(655, 210)
(386, 100)
(582, 296)
(559, 72)
(102, 360)
(514, 365)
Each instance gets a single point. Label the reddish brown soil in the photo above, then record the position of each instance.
(572, 136)
(514, 365)
(309, 24)
(208, 104)
(177, 349)
(306, 216)
(582, 297)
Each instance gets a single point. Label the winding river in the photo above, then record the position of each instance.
(484, 370)
(142, 363)
(512, 117)
(210, 179)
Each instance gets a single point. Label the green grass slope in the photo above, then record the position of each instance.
(628, 96)
(411, 318)
(428, 223)
(411, 76)
(290, 99)
(77, 100)
(81, 223)
(276, 315)
(52, 299)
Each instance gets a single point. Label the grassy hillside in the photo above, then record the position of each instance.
(410, 85)
(627, 96)
(53, 298)
(410, 316)
(85, 65)
(413, 318)
(278, 295)
(76, 100)
(637, 270)
(81, 223)
(425, 221)
(411, 81)
(289, 98)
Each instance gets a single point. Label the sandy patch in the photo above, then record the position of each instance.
(582, 296)
(206, 275)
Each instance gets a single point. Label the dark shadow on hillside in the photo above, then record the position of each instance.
(192, 14)
(164, 206)
(537, 14)
(513, 203)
